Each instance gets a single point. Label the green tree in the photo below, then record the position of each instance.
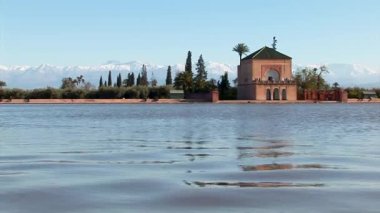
(3, 84)
(109, 79)
(154, 81)
(200, 80)
(224, 85)
(138, 80)
(79, 80)
(68, 83)
(189, 73)
(144, 76)
(355, 92)
(241, 49)
(188, 65)
(169, 80)
(118, 80)
(322, 69)
(311, 79)
(101, 82)
(335, 85)
(132, 79)
(183, 80)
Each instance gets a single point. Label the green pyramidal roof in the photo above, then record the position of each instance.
(267, 53)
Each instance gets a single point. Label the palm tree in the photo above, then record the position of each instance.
(2, 84)
(336, 85)
(241, 49)
(184, 80)
(79, 80)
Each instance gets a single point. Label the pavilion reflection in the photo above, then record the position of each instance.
(275, 166)
(253, 184)
(271, 149)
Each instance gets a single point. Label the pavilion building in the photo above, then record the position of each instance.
(266, 75)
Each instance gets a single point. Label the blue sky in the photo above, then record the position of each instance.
(89, 32)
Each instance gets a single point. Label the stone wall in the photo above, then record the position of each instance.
(212, 96)
(326, 95)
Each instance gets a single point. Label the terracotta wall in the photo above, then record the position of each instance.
(245, 92)
(212, 96)
(260, 67)
(291, 92)
(326, 95)
(245, 70)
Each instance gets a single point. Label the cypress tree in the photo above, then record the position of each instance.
(129, 80)
(118, 82)
(169, 80)
(189, 72)
(154, 81)
(223, 85)
(144, 76)
(109, 79)
(126, 81)
(101, 82)
(201, 77)
(132, 79)
(138, 81)
(105, 84)
(188, 66)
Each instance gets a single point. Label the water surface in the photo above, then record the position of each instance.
(189, 158)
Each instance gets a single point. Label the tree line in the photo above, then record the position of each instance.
(131, 80)
(137, 92)
(198, 82)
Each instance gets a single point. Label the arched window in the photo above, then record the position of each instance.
(269, 96)
(283, 95)
(273, 75)
(276, 94)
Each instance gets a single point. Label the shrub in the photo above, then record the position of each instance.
(13, 93)
(143, 92)
(92, 94)
(230, 94)
(111, 92)
(47, 93)
(164, 92)
(73, 93)
(131, 93)
(154, 93)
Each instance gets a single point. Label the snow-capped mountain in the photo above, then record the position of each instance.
(44, 75)
(350, 75)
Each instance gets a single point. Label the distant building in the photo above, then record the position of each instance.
(369, 94)
(266, 74)
(176, 94)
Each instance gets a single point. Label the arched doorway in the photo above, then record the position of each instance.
(273, 75)
(269, 96)
(276, 94)
(283, 95)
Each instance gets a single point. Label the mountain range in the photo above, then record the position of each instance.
(28, 77)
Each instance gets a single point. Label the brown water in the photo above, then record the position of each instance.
(190, 158)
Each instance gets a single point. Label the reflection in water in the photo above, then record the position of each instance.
(135, 158)
(254, 184)
(275, 166)
(273, 154)
(193, 157)
(273, 149)
(278, 146)
(269, 154)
